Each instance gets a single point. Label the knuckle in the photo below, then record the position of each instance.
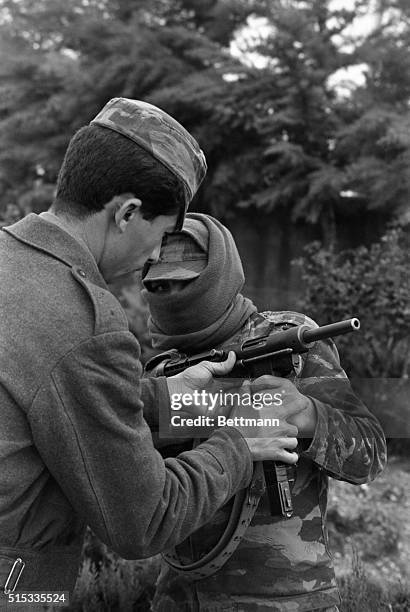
(262, 380)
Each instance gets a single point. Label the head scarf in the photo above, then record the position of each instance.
(210, 309)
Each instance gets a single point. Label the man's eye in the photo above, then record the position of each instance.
(156, 287)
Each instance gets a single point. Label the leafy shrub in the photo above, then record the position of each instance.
(400, 598)
(372, 283)
(373, 528)
(107, 582)
(11, 213)
(358, 593)
(361, 594)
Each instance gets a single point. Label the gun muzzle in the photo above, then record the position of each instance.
(334, 329)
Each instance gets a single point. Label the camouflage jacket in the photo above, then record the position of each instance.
(285, 565)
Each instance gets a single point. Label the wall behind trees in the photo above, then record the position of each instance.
(269, 244)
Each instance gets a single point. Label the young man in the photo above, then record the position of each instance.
(281, 564)
(74, 446)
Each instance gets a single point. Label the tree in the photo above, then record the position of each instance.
(283, 138)
(62, 62)
(279, 138)
(329, 156)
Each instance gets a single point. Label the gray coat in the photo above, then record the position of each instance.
(74, 446)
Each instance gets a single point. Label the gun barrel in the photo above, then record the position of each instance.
(296, 339)
(329, 331)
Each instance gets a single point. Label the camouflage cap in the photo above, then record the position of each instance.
(182, 257)
(159, 134)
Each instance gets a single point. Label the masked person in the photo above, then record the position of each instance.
(74, 446)
(281, 564)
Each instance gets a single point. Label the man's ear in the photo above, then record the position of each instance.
(125, 209)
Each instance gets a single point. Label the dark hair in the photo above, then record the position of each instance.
(100, 164)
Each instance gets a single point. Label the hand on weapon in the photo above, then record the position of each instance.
(271, 354)
(298, 409)
(200, 377)
(269, 441)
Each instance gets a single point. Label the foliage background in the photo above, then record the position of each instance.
(302, 109)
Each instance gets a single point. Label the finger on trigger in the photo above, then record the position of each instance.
(221, 367)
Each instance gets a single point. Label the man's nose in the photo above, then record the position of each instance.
(154, 257)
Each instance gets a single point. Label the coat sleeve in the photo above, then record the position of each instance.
(155, 398)
(88, 426)
(348, 442)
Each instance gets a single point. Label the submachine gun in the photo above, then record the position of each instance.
(275, 353)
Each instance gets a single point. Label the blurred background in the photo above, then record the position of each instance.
(302, 108)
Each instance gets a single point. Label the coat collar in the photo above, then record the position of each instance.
(56, 242)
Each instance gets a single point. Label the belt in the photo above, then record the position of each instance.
(54, 569)
(243, 510)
